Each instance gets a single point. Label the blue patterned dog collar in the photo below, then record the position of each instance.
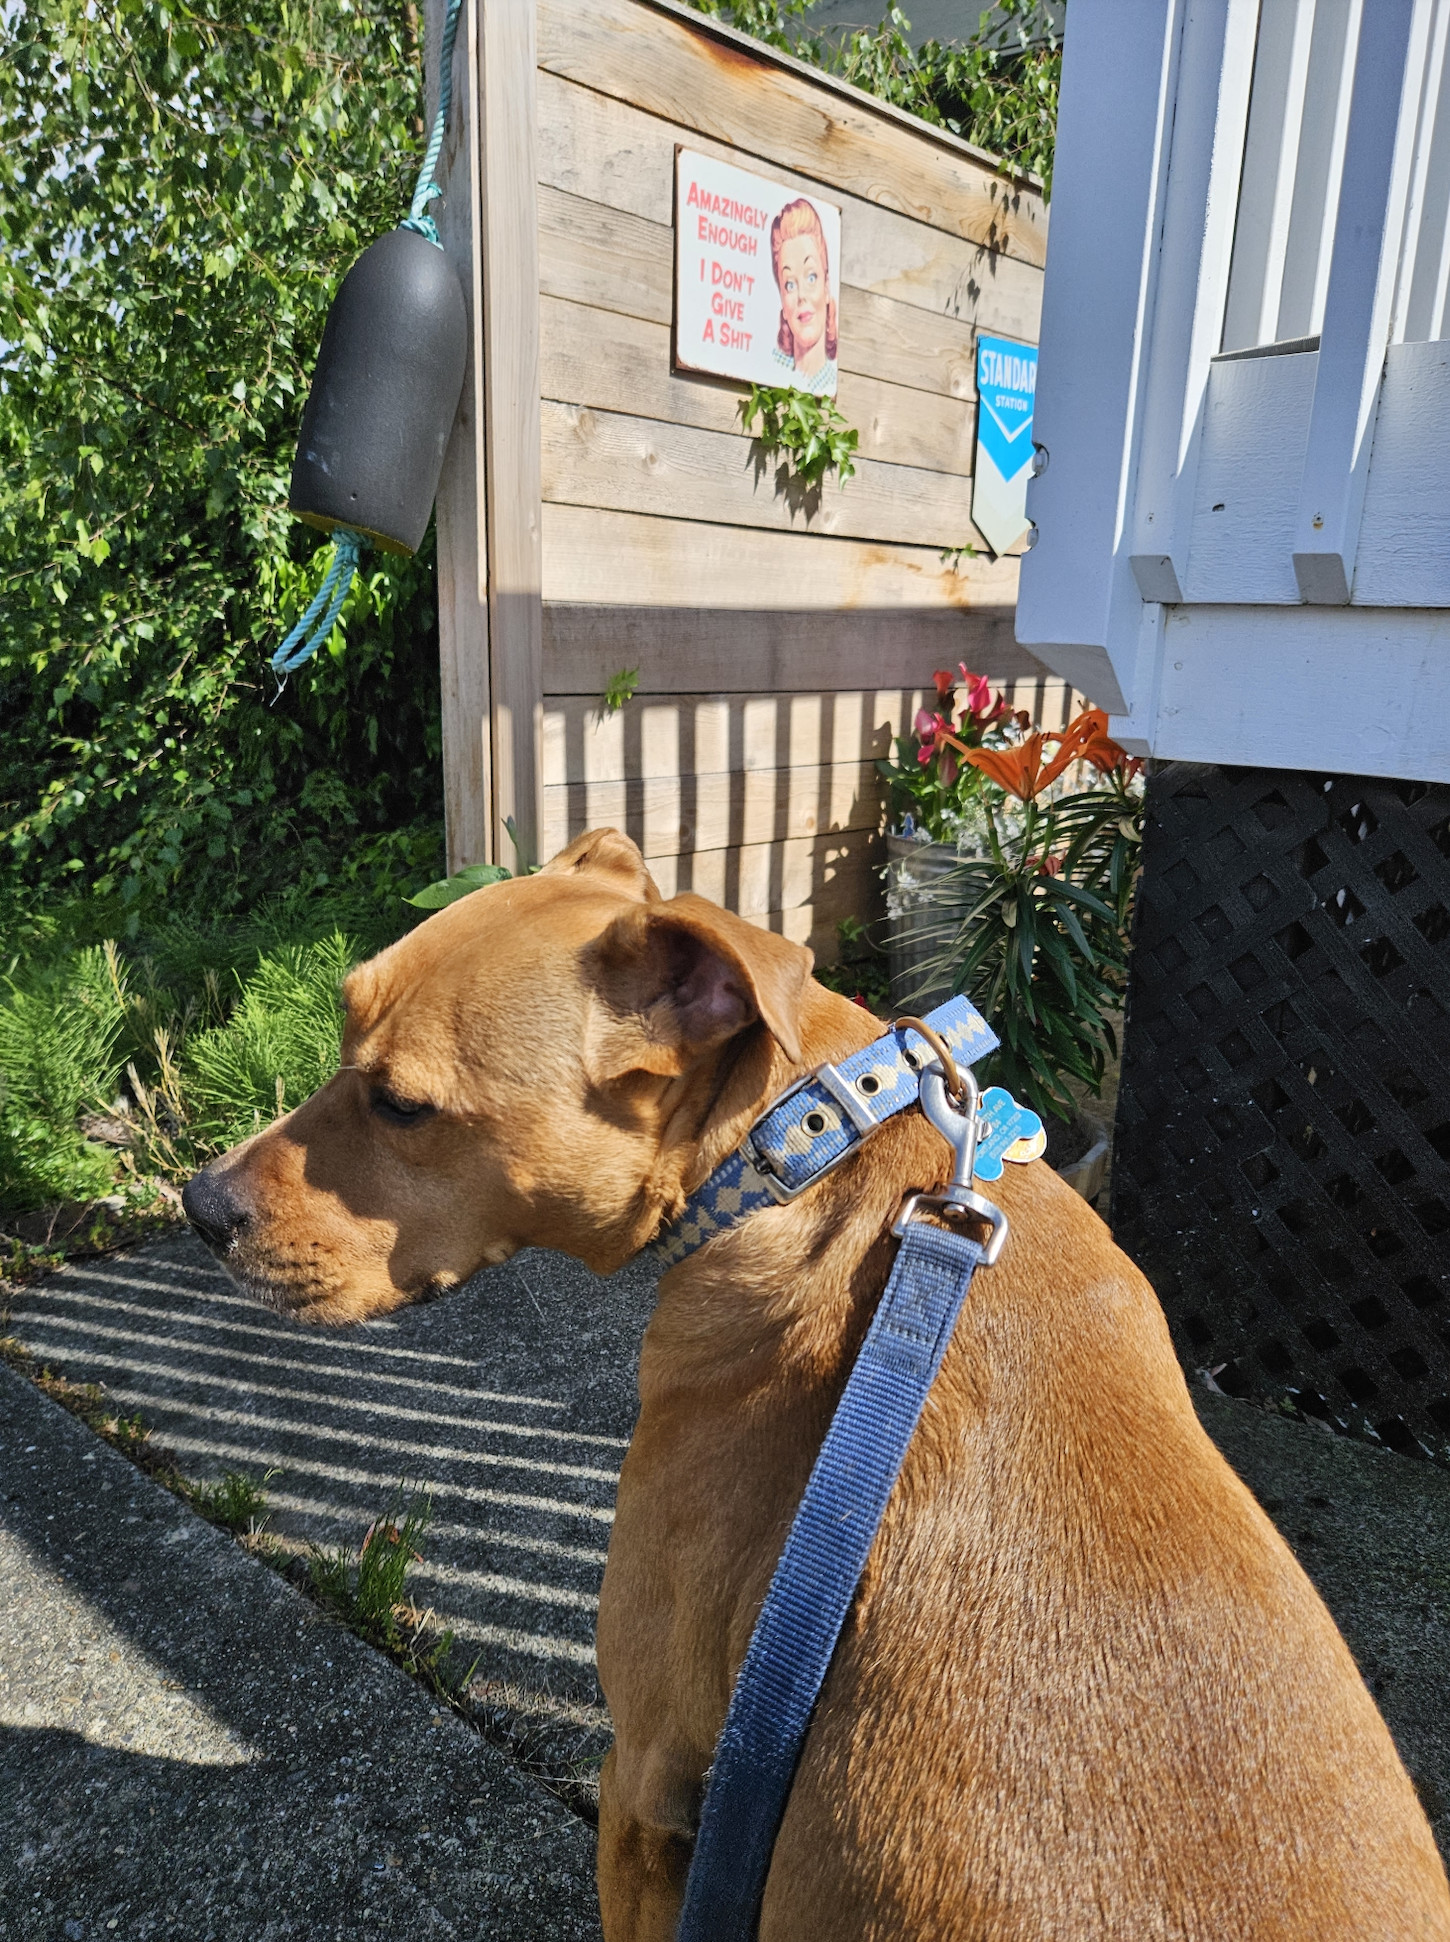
(819, 1122)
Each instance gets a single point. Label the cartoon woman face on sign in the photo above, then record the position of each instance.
(807, 338)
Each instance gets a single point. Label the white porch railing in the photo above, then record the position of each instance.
(1244, 397)
(1293, 167)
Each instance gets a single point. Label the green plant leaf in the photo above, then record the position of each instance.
(477, 876)
(808, 432)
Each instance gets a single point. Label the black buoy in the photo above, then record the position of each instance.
(383, 395)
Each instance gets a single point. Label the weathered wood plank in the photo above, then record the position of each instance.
(661, 62)
(667, 815)
(703, 735)
(617, 363)
(604, 150)
(462, 543)
(829, 872)
(620, 463)
(680, 649)
(621, 590)
(510, 256)
(608, 558)
(900, 344)
(592, 254)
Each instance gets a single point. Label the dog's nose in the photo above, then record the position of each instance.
(213, 1208)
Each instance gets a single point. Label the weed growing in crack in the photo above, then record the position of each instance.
(237, 1502)
(366, 1589)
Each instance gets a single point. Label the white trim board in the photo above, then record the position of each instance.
(1334, 688)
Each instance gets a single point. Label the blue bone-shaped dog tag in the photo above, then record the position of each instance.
(1000, 1123)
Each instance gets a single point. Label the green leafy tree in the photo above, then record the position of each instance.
(180, 193)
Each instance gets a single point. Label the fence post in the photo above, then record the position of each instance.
(513, 491)
(463, 633)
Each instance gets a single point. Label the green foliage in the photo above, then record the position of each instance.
(60, 1052)
(367, 1590)
(925, 776)
(779, 23)
(237, 1502)
(1036, 935)
(809, 433)
(618, 690)
(180, 192)
(860, 972)
(170, 1048)
(477, 876)
(997, 88)
(279, 1044)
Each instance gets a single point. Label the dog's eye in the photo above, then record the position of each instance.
(402, 1112)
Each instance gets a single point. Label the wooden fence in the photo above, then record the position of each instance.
(601, 511)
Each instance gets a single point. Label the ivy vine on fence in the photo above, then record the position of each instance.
(807, 433)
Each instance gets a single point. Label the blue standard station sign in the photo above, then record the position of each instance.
(1006, 388)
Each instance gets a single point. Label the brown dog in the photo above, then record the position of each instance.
(1085, 1690)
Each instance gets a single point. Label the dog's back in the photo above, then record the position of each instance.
(1087, 1690)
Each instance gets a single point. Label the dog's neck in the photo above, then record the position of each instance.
(813, 1261)
(751, 1071)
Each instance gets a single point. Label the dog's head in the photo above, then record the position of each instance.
(533, 1065)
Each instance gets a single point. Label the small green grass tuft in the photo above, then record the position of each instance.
(367, 1588)
(236, 1501)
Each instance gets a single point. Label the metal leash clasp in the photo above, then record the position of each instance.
(957, 1123)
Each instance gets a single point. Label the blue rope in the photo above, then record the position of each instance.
(417, 218)
(330, 596)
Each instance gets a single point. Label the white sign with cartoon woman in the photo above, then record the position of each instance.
(756, 277)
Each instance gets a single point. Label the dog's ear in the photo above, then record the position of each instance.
(610, 855)
(679, 978)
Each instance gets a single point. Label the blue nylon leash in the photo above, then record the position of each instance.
(815, 1582)
(795, 1142)
(310, 632)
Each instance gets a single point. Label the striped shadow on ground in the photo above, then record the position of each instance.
(511, 1402)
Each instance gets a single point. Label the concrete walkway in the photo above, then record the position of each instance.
(189, 1749)
(180, 1731)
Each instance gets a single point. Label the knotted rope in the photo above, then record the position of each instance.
(417, 218)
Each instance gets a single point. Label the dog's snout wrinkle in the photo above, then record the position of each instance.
(212, 1207)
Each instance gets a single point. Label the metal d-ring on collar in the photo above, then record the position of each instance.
(925, 1029)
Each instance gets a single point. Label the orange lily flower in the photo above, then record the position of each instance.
(1022, 772)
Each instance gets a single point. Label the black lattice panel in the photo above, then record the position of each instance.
(1282, 1162)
